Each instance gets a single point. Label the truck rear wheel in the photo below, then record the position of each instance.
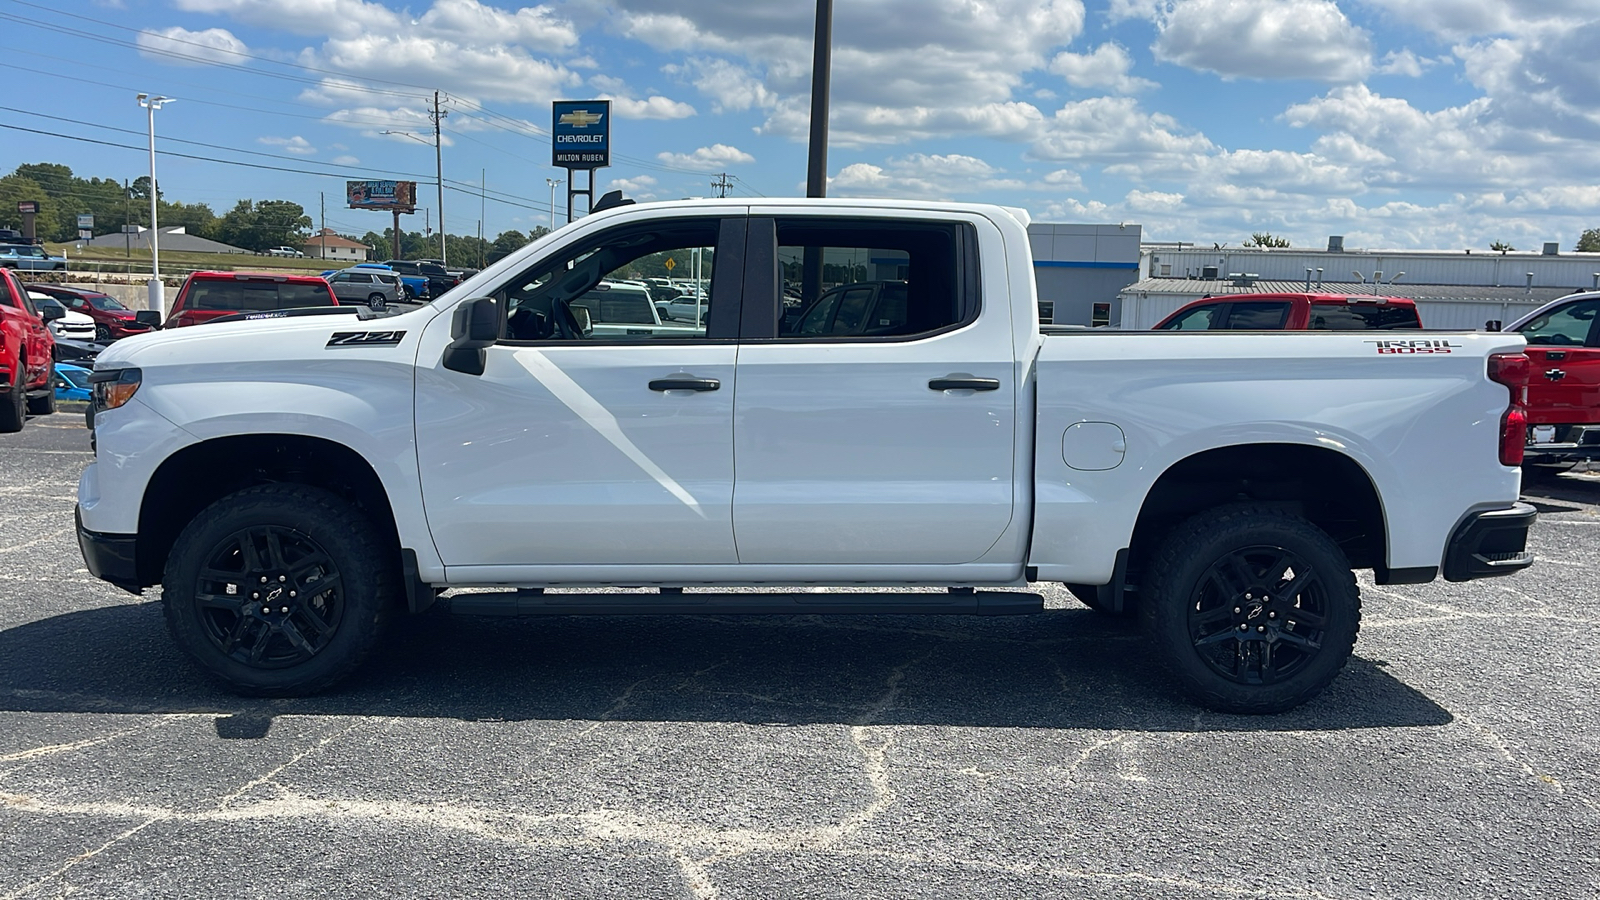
(1255, 608)
(279, 590)
(14, 403)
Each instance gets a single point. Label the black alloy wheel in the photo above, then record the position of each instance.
(269, 597)
(280, 589)
(1254, 609)
(1257, 615)
(102, 333)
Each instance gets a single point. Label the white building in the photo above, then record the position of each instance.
(325, 244)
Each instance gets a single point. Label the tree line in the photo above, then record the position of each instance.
(257, 225)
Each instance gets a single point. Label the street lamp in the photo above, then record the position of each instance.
(156, 298)
(553, 182)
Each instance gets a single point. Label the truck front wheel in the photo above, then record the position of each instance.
(279, 590)
(1254, 608)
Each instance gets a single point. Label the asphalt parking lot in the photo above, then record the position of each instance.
(724, 757)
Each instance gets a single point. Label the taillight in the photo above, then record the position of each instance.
(1511, 370)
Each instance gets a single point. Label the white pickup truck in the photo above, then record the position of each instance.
(293, 481)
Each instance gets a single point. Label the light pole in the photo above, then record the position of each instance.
(553, 182)
(156, 294)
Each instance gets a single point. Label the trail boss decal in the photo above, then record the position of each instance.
(1408, 347)
(365, 338)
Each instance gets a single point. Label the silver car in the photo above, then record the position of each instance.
(29, 256)
(376, 289)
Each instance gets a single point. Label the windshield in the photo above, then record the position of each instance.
(101, 301)
(76, 377)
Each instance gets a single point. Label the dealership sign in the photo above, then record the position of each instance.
(580, 134)
(399, 196)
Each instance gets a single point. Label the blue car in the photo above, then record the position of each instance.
(72, 382)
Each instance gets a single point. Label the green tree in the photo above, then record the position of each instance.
(1589, 242)
(1502, 246)
(195, 218)
(1266, 239)
(264, 225)
(15, 188)
(506, 243)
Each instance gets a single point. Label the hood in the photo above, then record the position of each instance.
(287, 337)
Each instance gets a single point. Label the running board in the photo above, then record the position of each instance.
(977, 603)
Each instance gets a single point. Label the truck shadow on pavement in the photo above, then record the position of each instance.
(1063, 669)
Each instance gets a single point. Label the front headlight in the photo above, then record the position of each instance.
(114, 387)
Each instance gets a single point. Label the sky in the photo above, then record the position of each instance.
(1400, 124)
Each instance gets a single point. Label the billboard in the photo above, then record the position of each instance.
(390, 195)
(580, 134)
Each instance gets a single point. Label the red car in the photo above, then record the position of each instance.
(1294, 312)
(1563, 380)
(112, 320)
(27, 353)
(212, 295)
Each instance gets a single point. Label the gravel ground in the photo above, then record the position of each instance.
(738, 757)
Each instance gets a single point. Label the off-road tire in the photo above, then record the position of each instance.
(1313, 627)
(14, 403)
(365, 570)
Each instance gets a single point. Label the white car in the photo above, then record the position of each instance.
(1226, 483)
(286, 251)
(73, 325)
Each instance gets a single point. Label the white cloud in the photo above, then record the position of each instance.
(1063, 179)
(1542, 80)
(1115, 129)
(641, 187)
(182, 47)
(708, 158)
(902, 69)
(305, 17)
(1264, 39)
(1404, 62)
(921, 176)
(656, 107)
(347, 160)
(469, 21)
(296, 145)
(1456, 19)
(1106, 67)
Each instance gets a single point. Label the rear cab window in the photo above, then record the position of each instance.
(250, 295)
(1253, 315)
(1362, 317)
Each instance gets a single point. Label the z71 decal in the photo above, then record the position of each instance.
(365, 338)
(1414, 346)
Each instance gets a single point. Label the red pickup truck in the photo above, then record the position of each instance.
(27, 353)
(1294, 312)
(213, 295)
(1564, 380)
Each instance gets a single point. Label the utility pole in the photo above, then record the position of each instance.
(817, 159)
(721, 185)
(127, 222)
(438, 160)
(322, 236)
(483, 207)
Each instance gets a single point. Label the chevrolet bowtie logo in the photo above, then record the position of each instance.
(580, 118)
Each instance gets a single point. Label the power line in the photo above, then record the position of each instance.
(471, 192)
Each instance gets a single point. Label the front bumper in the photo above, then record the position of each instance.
(110, 557)
(1490, 543)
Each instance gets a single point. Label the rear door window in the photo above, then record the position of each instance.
(1257, 316)
(1362, 317)
(1201, 318)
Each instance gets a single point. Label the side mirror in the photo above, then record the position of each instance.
(149, 317)
(51, 313)
(585, 324)
(476, 327)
